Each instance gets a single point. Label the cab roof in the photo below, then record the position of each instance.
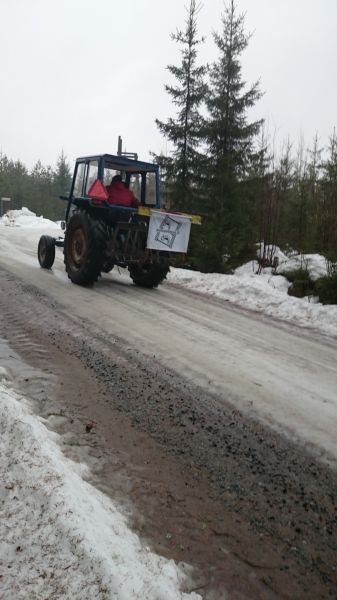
(126, 164)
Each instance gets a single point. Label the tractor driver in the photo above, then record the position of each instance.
(119, 194)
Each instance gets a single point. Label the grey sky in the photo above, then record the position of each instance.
(76, 73)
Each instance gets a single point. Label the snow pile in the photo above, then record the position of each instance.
(25, 218)
(315, 264)
(60, 537)
(266, 293)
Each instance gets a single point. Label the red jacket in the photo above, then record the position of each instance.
(119, 194)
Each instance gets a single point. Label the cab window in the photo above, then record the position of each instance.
(92, 174)
(135, 185)
(79, 180)
(109, 172)
(150, 189)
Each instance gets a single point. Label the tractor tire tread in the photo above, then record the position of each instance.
(96, 238)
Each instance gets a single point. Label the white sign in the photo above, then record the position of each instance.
(168, 232)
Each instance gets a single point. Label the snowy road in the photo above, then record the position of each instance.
(285, 375)
(154, 391)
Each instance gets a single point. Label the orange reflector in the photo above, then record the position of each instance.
(97, 191)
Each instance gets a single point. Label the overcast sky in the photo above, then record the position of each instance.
(75, 74)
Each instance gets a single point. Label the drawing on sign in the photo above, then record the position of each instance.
(168, 231)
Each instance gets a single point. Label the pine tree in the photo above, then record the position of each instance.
(61, 186)
(314, 193)
(13, 181)
(283, 191)
(182, 168)
(62, 175)
(262, 201)
(328, 208)
(42, 191)
(229, 135)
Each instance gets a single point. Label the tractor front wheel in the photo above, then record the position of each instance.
(46, 251)
(84, 245)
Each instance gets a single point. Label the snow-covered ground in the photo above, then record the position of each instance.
(267, 292)
(59, 536)
(26, 218)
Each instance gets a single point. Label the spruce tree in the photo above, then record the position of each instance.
(314, 194)
(42, 191)
(182, 168)
(328, 205)
(13, 182)
(62, 175)
(229, 134)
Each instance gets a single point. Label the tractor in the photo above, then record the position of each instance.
(98, 235)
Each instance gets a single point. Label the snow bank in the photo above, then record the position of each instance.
(60, 537)
(266, 293)
(315, 264)
(25, 218)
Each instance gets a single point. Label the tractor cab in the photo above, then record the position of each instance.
(140, 177)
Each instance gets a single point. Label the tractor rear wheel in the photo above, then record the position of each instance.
(148, 276)
(46, 251)
(84, 245)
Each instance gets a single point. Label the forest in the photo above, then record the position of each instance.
(38, 189)
(250, 189)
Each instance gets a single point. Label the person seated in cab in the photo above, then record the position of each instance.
(119, 194)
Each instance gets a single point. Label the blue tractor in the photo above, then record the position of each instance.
(99, 235)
